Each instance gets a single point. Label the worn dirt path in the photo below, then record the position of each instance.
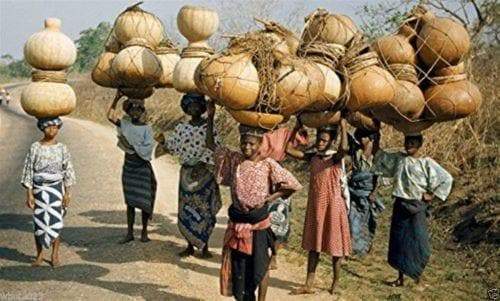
(95, 266)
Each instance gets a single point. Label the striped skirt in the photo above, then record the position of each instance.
(139, 183)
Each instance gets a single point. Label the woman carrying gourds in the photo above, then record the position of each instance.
(47, 176)
(199, 195)
(135, 138)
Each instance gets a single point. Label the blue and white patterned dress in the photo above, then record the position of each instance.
(48, 170)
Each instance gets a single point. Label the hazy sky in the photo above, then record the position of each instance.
(21, 18)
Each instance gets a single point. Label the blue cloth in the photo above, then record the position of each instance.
(363, 213)
(44, 123)
(409, 247)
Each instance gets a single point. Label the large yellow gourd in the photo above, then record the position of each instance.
(329, 28)
(257, 119)
(168, 58)
(134, 22)
(46, 99)
(50, 49)
(232, 80)
(197, 24)
(102, 74)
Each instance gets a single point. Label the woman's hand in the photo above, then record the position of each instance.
(427, 197)
(30, 200)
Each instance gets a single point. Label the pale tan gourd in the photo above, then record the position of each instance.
(442, 42)
(168, 59)
(102, 74)
(137, 66)
(112, 43)
(183, 77)
(409, 102)
(331, 92)
(359, 120)
(300, 84)
(47, 99)
(453, 97)
(50, 49)
(197, 24)
(230, 79)
(257, 119)
(134, 22)
(369, 85)
(325, 27)
(320, 119)
(395, 49)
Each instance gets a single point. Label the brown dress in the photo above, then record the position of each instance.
(326, 227)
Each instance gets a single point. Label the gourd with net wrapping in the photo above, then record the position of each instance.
(329, 28)
(135, 23)
(169, 57)
(137, 66)
(196, 24)
(103, 74)
(320, 119)
(50, 49)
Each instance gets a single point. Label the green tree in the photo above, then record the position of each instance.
(90, 45)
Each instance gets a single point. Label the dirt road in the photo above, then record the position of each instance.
(95, 266)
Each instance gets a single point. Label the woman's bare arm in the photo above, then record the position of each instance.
(112, 117)
(210, 140)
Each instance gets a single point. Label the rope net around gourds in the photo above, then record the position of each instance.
(424, 78)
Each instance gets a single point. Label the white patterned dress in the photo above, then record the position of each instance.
(47, 170)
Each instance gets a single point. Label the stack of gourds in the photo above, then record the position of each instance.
(426, 57)
(138, 57)
(51, 53)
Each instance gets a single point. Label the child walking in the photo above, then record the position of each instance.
(326, 227)
(417, 180)
(135, 138)
(47, 176)
(249, 241)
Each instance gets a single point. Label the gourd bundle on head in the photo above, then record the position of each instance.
(137, 56)
(426, 57)
(51, 53)
(197, 25)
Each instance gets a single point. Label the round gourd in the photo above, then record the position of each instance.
(409, 102)
(137, 93)
(331, 92)
(168, 58)
(46, 99)
(232, 80)
(197, 24)
(337, 29)
(300, 84)
(369, 88)
(134, 22)
(137, 66)
(451, 100)
(319, 119)
(395, 49)
(451, 70)
(102, 74)
(50, 49)
(256, 119)
(442, 42)
(184, 72)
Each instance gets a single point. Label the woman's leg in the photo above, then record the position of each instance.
(312, 264)
(206, 253)
(39, 256)
(188, 251)
(55, 252)
(336, 272)
(130, 225)
(399, 281)
(264, 284)
(144, 233)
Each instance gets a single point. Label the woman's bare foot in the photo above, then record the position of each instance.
(127, 239)
(395, 283)
(55, 262)
(303, 290)
(189, 251)
(38, 262)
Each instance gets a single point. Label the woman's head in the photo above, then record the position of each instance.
(134, 108)
(325, 136)
(193, 104)
(250, 141)
(413, 143)
(49, 126)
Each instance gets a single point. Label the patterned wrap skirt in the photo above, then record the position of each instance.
(409, 247)
(139, 183)
(199, 203)
(48, 213)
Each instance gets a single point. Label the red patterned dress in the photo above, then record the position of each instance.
(326, 227)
